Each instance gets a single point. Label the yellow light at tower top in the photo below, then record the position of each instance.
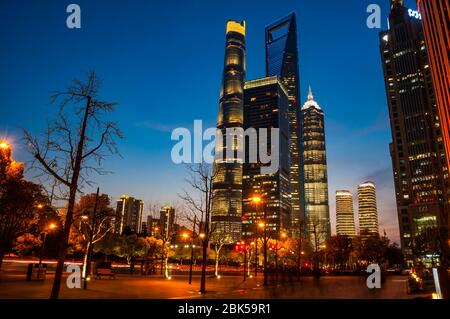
(234, 26)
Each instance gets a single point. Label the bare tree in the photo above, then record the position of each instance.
(218, 242)
(198, 203)
(73, 147)
(89, 223)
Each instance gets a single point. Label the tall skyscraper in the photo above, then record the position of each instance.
(282, 61)
(367, 209)
(345, 218)
(128, 215)
(417, 150)
(315, 170)
(436, 28)
(227, 185)
(266, 106)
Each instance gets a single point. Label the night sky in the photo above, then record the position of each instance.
(162, 62)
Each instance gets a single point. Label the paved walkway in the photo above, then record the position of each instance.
(13, 285)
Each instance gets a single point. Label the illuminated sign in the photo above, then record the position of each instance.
(414, 14)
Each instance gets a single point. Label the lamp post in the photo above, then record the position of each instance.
(256, 200)
(255, 243)
(265, 240)
(44, 239)
(192, 251)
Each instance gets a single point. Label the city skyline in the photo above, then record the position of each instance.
(148, 157)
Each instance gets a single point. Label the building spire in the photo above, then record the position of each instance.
(310, 94)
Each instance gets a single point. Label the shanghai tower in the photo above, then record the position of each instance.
(282, 61)
(226, 213)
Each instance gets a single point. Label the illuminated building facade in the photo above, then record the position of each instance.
(167, 221)
(367, 209)
(315, 171)
(266, 106)
(345, 218)
(436, 25)
(282, 61)
(417, 148)
(226, 213)
(128, 215)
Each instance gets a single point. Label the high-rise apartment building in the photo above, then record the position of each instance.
(128, 215)
(266, 107)
(417, 148)
(167, 221)
(226, 211)
(315, 171)
(282, 61)
(367, 209)
(345, 217)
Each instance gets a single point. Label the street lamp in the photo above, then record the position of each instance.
(192, 251)
(263, 225)
(4, 145)
(256, 200)
(50, 227)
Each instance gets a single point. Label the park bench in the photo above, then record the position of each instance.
(105, 272)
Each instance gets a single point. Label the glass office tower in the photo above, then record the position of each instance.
(266, 107)
(226, 211)
(282, 61)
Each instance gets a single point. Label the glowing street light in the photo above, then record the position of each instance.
(256, 199)
(202, 235)
(185, 235)
(4, 145)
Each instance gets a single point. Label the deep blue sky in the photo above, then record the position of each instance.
(162, 62)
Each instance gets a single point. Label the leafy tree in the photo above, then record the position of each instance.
(372, 249)
(394, 255)
(131, 247)
(18, 201)
(26, 243)
(339, 249)
(108, 244)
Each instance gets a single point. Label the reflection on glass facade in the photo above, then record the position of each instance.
(315, 170)
(227, 186)
(282, 61)
(266, 106)
(417, 149)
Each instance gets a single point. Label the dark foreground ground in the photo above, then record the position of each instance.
(13, 285)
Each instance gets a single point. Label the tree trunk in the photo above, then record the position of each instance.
(205, 257)
(69, 216)
(85, 262)
(2, 254)
(217, 264)
(166, 266)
